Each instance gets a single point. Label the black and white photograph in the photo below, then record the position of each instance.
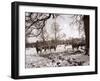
(56, 40)
(51, 40)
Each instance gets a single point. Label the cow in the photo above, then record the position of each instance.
(82, 44)
(53, 47)
(38, 49)
(45, 47)
(49, 47)
(37, 46)
(77, 45)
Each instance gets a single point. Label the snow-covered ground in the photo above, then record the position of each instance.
(60, 48)
(63, 56)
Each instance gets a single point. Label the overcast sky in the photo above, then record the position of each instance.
(64, 24)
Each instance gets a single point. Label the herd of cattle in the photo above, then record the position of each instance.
(44, 47)
(75, 45)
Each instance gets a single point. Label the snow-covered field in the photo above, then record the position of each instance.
(63, 56)
(60, 48)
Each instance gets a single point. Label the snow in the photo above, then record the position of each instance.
(59, 58)
(31, 51)
(60, 48)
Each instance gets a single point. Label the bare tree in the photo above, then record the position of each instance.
(55, 30)
(86, 28)
(78, 20)
(44, 34)
(83, 23)
(35, 23)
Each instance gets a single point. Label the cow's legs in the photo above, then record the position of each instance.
(73, 48)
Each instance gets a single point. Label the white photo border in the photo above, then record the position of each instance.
(54, 70)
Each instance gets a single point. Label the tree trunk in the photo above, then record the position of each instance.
(43, 38)
(86, 28)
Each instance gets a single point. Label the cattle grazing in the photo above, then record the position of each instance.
(77, 45)
(38, 49)
(49, 47)
(44, 47)
(82, 44)
(37, 46)
(53, 47)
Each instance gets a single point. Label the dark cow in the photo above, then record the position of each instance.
(82, 44)
(49, 47)
(45, 47)
(53, 47)
(77, 45)
(38, 49)
(37, 46)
